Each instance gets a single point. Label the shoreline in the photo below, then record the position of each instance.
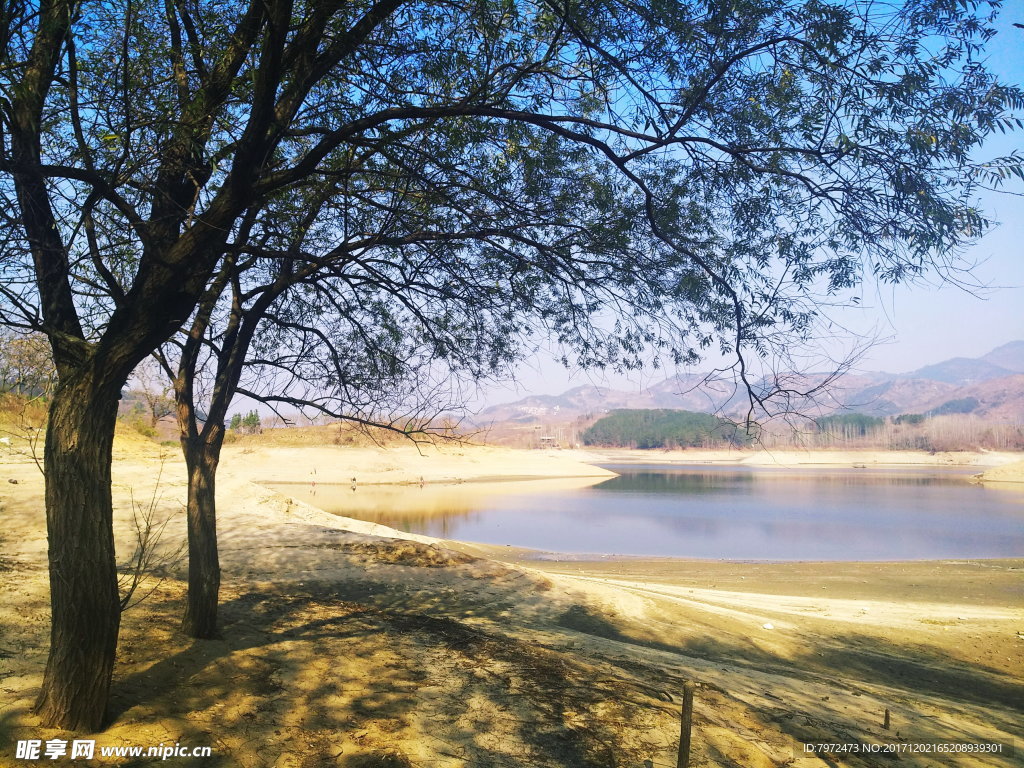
(790, 458)
(527, 555)
(403, 465)
(474, 479)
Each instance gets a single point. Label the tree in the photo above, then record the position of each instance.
(848, 425)
(322, 332)
(324, 356)
(155, 390)
(26, 368)
(667, 176)
(27, 378)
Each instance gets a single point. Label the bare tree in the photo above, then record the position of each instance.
(150, 559)
(26, 368)
(27, 378)
(156, 390)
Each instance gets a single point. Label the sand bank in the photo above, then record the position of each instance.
(349, 644)
(406, 463)
(1007, 473)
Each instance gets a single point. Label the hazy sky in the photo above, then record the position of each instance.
(923, 324)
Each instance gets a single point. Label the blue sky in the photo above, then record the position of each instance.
(917, 324)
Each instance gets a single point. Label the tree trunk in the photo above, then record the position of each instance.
(86, 609)
(202, 457)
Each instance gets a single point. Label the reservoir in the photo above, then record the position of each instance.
(707, 511)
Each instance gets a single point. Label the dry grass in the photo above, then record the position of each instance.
(14, 408)
(341, 434)
(413, 553)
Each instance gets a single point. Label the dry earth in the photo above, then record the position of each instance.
(345, 645)
(1007, 473)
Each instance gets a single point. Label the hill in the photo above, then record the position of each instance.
(995, 380)
(1009, 356)
(663, 428)
(962, 370)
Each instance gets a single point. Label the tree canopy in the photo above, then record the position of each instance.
(631, 179)
(26, 367)
(711, 167)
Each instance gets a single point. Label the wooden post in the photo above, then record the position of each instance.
(686, 724)
(885, 724)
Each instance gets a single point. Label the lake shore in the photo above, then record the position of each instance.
(405, 464)
(1006, 473)
(353, 644)
(809, 458)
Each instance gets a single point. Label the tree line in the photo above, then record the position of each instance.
(936, 430)
(664, 428)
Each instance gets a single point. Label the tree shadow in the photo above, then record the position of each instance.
(344, 682)
(506, 600)
(416, 658)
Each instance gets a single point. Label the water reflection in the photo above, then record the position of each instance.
(688, 479)
(674, 482)
(713, 512)
(432, 509)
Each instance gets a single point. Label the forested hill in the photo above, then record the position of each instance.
(663, 428)
(994, 383)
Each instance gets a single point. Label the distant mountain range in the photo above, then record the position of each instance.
(990, 386)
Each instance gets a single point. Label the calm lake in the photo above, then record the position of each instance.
(708, 512)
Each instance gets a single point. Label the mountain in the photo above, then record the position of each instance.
(962, 371)
(990, 386)
(566, 406)
(1001, 398)
(897, 395)
(1009, 356)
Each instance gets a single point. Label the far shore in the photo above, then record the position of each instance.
(405, 464)
(789, 457)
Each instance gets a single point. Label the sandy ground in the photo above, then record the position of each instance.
(349, 644)
(807, 458)
(1007, 473)
(407, 464)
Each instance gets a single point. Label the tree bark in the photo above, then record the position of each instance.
(202, 455)
(86, 609)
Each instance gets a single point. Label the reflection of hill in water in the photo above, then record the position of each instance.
(703, 481)
(430, 509)
(676, 483)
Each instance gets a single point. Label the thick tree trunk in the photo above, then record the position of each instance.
(202, 457)
(86, 609)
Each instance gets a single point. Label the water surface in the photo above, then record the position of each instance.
(709, 512)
